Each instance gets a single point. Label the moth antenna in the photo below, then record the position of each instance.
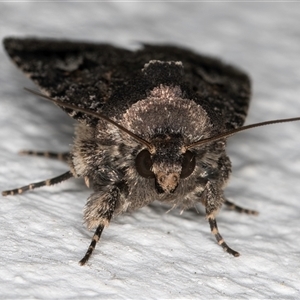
(234, 131)
(96, 115)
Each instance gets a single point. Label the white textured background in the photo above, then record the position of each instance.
(150, 254)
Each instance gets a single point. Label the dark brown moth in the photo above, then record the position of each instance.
(152, 124)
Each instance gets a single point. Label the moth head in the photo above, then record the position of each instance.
(168, 163)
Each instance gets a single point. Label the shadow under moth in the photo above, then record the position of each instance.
(152, 124)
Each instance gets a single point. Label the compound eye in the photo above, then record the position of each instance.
(188, 164)
(143, 164)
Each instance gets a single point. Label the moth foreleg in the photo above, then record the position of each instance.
(213, 199)
(98, 212)
(31, 186)
(95, 239)
(239, 209)
(215, 231)
(63, 156)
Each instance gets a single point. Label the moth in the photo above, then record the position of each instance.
(152, 124)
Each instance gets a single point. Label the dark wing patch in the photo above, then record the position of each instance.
(81, 74)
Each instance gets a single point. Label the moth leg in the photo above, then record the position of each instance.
(213, 199)
(95, 239)
(215, 231)
(63, 156)
(239, 209)
(98, 212)
(31, 186)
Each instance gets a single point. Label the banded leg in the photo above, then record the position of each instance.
(214, 229)
(95, 240)
(31, 186)
(98, 212)
(239, 209)
(63, 156)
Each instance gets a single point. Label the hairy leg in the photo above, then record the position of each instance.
(98, 213)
